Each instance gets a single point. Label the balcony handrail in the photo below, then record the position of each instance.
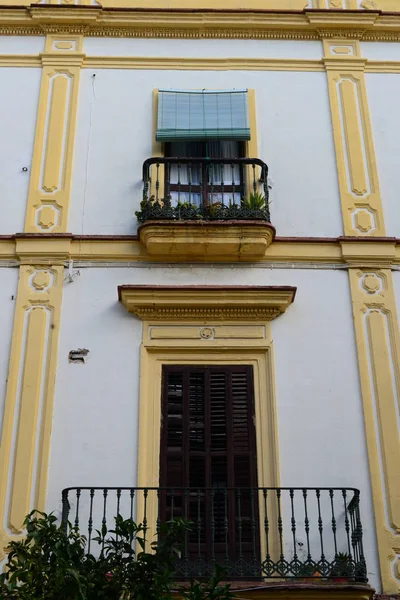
(253, 532)
(195, 488)
(171, 160)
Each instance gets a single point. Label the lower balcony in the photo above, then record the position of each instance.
(210, 208)
(265, 539)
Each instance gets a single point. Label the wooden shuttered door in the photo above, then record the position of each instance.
(208, 457)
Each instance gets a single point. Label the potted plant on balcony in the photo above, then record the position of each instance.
(343, 568)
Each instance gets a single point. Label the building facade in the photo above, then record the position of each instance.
(229, 353)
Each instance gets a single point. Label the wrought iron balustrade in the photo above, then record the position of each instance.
(252, 533)
(204, 188)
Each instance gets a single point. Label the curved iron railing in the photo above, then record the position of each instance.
(204, 188)
(258, 533)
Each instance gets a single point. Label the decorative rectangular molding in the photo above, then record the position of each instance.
(378, 347)
(355, 155)
(25, 439)
(51, 170)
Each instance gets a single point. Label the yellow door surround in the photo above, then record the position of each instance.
(205, 325)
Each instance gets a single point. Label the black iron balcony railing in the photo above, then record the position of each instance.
(260, 533)
(204, 188)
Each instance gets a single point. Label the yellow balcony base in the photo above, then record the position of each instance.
(297, 590)
(224, 240)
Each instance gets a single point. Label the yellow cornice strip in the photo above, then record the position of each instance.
(41, 249)
(192, 24)
(212, 64)
(188, 303)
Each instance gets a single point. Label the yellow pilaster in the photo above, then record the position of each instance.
(50, 183)
(374, 310)
(25, 436)
(355, 157)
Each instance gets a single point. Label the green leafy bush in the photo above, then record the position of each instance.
(51, 563)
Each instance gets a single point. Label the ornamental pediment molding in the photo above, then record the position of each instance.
(206, 303)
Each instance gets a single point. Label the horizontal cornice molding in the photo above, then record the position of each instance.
(25, 248)
(197, 24)
(215, 303)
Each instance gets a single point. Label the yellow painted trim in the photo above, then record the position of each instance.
(51, 170)
(360, 197)
(188, 241)
(156, 353)
(231, 324)
(59, 250)
(378, 347)
(237, 24)
(20, 60)
(186, 303)
(25, 440)
(197, 64)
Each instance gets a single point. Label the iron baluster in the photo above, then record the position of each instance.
(213, 561)
(158, 522)
(254, 179)
(239, 518)
(233, 182)
(144, 523)
(132, 497)
(253, 526)
(361, 567)
(346, 521)
(198, 526)
(179, 183)
(280, 523)
(66, 507)
(78, 497)
(118, 506)
(185, 541)
(333, 521)
(157, 181)
(266, 529)
(189, 173)
(226, 526)
(293, 524)
(167, 171)
(90, 521)
(222, 182)
(320, 525)
(104, 519)
(306, 524)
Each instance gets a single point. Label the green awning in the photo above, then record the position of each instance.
(202, 115)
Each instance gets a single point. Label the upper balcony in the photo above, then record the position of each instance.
(202, 208)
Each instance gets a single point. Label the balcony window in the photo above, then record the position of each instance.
(204, 183)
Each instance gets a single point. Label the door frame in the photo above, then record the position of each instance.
(173, 349)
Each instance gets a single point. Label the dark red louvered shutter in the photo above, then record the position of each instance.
(208, 432)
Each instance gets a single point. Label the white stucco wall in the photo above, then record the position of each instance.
(19, 44)
(319, 407)
(396, 284)
(8, 293)
(380, 50)
(383, 93)
(114, 137)
(18, 107)
(207, 48)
